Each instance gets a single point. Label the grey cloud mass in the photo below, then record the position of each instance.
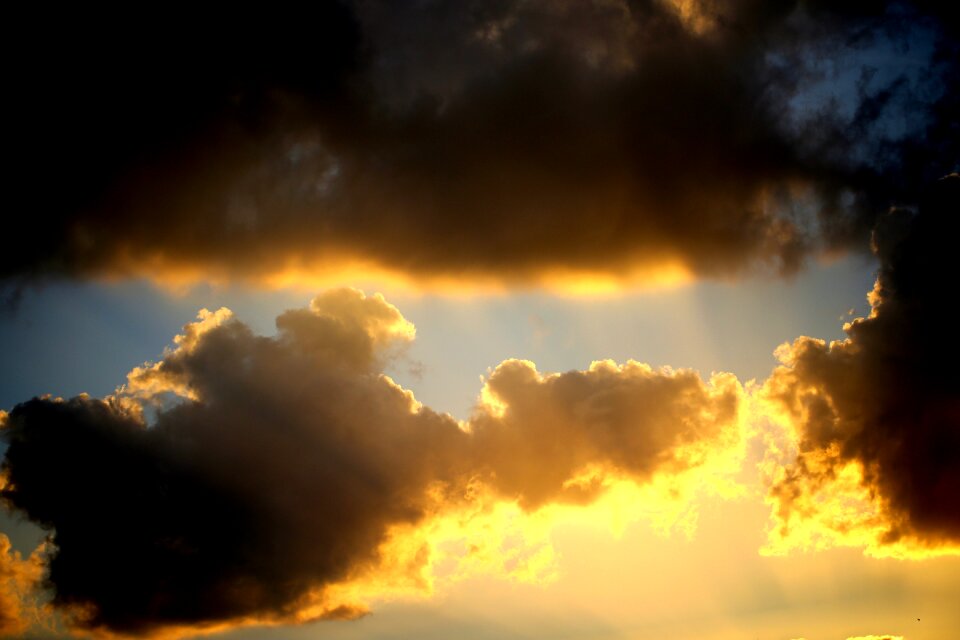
(501, 141)
(275, 466)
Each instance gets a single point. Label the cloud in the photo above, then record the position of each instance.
(456, 145)
(537, 432)
(874, 418)
(19, 580)
(247, 479)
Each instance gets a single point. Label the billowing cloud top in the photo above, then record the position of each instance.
(875, 417)
(484, 142)
(277, 468)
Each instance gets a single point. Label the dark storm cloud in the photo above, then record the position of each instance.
(283, 463)
(443, 139)
(888, 397)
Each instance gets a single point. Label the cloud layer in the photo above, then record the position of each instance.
(875, 417)
(245, 478)
(468, 142)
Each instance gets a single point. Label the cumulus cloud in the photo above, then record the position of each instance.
(249, 479)
(608, 417)
(470, 142)
(19, 580)
(875, 418)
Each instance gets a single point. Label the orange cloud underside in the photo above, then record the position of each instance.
(316, 275)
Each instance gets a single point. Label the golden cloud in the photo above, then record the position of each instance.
(20, 607)
(869, 453)
(286, 479)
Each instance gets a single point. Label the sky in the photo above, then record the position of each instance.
(512, 319)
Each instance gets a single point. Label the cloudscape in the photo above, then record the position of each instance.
(509, 319)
